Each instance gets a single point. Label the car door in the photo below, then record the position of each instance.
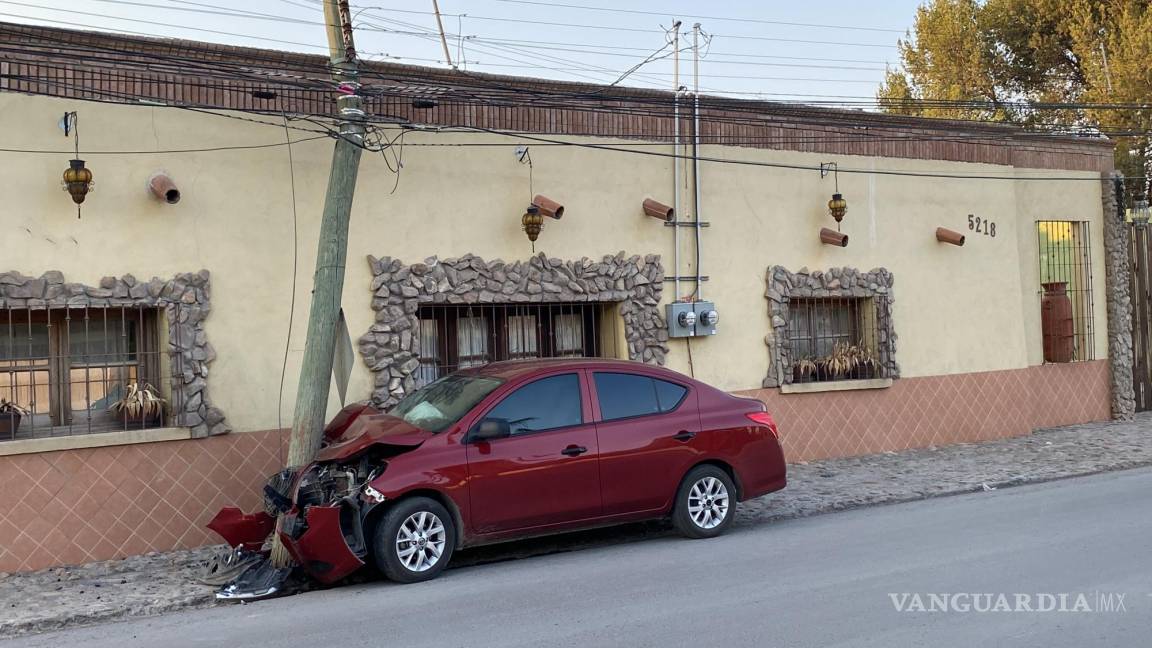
(646, 434)
(545, 473)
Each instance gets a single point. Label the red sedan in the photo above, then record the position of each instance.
(517, 449)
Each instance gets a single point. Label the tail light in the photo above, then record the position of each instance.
(765, 419)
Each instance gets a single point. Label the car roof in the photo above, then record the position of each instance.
(508, 369)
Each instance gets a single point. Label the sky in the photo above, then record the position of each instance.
(834, 50)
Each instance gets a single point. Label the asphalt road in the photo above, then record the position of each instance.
(823, 581)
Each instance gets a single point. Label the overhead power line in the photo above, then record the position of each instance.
(756, 21)
(634, 30)
(210, 149)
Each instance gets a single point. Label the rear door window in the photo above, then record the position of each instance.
(624, 395)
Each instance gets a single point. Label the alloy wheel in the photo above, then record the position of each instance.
(708, 503)
(420, 541)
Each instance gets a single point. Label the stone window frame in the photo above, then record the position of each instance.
(843, 282)
(186, 300)
(390, 346)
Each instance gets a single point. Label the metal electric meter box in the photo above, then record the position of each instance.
(691, 319)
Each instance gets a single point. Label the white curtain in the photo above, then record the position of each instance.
(569, 330)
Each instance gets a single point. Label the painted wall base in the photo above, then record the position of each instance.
(938, 410)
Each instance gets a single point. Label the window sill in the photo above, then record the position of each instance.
(836, 385)
(98, 440)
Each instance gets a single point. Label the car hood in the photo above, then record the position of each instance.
(372, 430)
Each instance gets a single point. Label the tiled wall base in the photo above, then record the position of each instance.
(938, 410)
(76, 506)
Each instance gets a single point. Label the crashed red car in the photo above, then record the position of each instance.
(511, 450)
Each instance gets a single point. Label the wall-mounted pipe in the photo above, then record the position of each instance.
(676, 158)
(832, 237)
(163, 187)
(659, 210)
(548, 207)
(948, 236)
(698, 292)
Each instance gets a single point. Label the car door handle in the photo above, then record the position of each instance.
(684, 435)
(574, 450)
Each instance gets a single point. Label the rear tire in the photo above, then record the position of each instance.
(414, 540)
(705, 503)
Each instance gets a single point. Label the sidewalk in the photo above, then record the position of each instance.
(156, 583)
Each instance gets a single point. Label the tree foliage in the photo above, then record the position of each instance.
(1005, 59)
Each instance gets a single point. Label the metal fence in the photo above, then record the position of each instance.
(453, 337)
(1067, 302)
(62, 370)
(834, 338)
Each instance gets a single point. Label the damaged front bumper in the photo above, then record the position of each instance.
(328, 542)
(321, 526)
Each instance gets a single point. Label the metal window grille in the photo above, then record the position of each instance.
(833, 339)
(65, 367)
(1067, 303)
(457, 336)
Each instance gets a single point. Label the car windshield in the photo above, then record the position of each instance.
(437, 405)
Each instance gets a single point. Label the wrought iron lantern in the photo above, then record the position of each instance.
(532, 222)
(838, 207)
(77, 177)
(77, 180)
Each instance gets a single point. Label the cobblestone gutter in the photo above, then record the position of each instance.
(158, 583)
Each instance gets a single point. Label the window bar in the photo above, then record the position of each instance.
(492, 331)
(1071, 251)
(591, 315)
(87, 371)
(176, 349)
(31, 377)
(1091, 296)
(104, 356)
(64, 368)
(55, 385)
(541, 334)
(123, 355)
(10, 363)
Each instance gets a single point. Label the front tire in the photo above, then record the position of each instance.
(414, 541)
(705, 503)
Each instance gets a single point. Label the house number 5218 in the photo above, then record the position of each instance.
(981, 226)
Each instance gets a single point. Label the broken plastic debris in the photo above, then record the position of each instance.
(260, 581)
(226, 566)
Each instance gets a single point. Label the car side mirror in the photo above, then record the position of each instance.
(492, 428)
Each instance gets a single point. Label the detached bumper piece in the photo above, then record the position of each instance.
(240, 530)
(260, 581)
(318, 542)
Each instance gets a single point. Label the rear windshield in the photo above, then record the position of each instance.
(438, 405)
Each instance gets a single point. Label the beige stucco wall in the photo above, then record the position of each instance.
(957, 309)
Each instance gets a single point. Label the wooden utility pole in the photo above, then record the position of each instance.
(332, 253)
(443, 39)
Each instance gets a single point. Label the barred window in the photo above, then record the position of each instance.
(63, 369)
(1066, 302)
(458, 336)
(833, 339)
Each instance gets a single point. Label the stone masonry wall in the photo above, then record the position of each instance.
(1117, 281)
(390, 348)
(186, 300)
(784, 285)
